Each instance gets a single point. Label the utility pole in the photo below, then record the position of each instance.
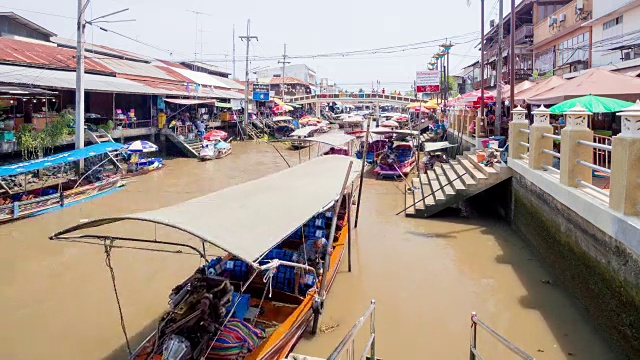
(248, 39)
(481, 117)
(499, 70)
(198, 30)
(284, 62)
(234, 52)
(79, 140)
(512, 55)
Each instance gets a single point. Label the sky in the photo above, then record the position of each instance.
(167, 30)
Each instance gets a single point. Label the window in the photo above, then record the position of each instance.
(573, 50)
(611, 23)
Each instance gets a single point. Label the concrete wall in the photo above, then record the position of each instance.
(601, 8)
(542, 31)
(602, 273)
(630, 23)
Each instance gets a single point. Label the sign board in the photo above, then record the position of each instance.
(261, 92)
(427, 81)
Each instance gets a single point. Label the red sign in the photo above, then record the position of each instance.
(428, 88)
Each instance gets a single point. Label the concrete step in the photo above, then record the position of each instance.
(435, 186)
(468, 180)
(471, 169)
(417, 193)
(442, 179)
(451, 174)
(486, 170)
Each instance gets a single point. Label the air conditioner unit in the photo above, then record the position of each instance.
(552, 21)
(563, 17)
(492, 23)
(626, 56)
(580, 5)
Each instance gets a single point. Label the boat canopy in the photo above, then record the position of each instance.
(249, 219)
(434, 146)
(383, 131)
(304, 131)
(333, 139)
(57, 159)
(282, 118)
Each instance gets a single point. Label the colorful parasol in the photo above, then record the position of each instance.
(214, 134)
(140, 146)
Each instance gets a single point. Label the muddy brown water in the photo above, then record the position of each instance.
(427, 276)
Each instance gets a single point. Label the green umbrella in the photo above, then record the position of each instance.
(595, 104)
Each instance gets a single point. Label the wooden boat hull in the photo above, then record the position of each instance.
(141, 172)
(38, 206)
(404, 168)
(220, 153)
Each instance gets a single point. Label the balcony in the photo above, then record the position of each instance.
(524, 34)
(521, 74)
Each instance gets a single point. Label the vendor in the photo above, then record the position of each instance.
(312, 254)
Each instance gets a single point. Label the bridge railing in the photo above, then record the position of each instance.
(600, 166)
(354, 97)
(474, 354)
(348, 342)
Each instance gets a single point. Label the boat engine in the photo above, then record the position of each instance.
(197, 311)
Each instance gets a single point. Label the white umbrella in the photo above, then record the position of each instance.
(140, 146)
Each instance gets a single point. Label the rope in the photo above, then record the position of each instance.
(107, 261)
(268, 279)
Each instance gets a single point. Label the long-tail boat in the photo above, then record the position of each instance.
(339, 144)
(51, 183)
(243, 305)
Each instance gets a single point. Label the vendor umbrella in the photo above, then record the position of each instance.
(595, 104)
(214, 134)
(140, 146)
(282, 108)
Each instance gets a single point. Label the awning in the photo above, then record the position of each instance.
(17, 90)
(275, 206)
(65, 157)
(383, 131)
(333, 139)
(224, 105)
(190, 101)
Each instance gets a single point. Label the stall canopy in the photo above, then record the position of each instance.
(224, 105)
(595, 82)
(57, 159)
(278, 204)
(304, 131)
(506, 90)
(16, 90)
(190, 101)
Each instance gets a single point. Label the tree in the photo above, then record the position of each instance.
(34, 144)
(453, 86)
(361, 90)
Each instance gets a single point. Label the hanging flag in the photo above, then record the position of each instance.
(188, 88)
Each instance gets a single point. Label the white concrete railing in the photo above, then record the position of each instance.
(581, 154)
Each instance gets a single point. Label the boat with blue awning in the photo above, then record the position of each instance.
(38, 186)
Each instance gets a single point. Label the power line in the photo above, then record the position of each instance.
(38, 12)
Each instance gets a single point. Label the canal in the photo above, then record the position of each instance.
(427, 276)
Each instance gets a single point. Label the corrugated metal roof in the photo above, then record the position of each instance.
(121, 66)
(24, 52)
(57, 79)
(28, 23)
(100, 49)
(287, 80)
(173, 73)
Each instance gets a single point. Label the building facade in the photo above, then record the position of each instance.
(615, 26)
(561, 36)
(298, 71)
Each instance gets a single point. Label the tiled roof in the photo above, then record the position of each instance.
(287, 80)
(29, 53)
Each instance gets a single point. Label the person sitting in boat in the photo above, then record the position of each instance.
(312, 254)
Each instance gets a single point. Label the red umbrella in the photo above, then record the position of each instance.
(214, 134)
(281, 108)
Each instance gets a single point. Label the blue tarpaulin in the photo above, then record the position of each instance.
(57, 159)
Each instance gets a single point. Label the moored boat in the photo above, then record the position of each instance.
(214, 149)
(337, 143)
(398, 161)
(243, 305)
(283, 126)
(38, 186)
(137, 161)
(298, 137)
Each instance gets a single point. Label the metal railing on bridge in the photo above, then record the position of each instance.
(356, 97)
(348, 342)
(474, 354)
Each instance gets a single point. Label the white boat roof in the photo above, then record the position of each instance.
(304, 131)
(333, 139)
(433, 146)
(382, 131)
(282, 118)
(275, 206)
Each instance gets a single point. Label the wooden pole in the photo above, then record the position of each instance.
(349, 228)
(364, 161)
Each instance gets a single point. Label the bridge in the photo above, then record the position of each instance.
(352, 98)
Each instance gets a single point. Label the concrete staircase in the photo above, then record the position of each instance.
(191, 148)
(97, 137)
(449, 184)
